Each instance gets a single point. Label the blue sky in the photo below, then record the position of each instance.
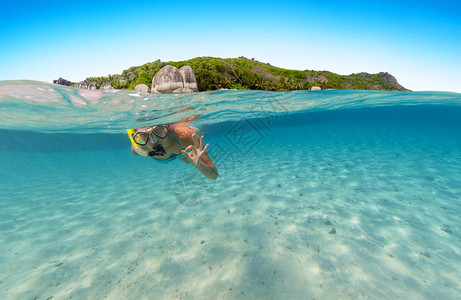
(418, 42)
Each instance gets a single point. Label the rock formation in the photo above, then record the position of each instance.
(83, 85)
(391, 79)
(106, 86)
(122, 79)
(311, 79)
(63, 81)
(255, 60)
(171, 80)
(94, 86)
(190, 82)
(387, 78)
(142, 88)
(322, 79)
(168, 80)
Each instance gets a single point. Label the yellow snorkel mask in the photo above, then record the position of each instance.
(137, 148)
(141, 136)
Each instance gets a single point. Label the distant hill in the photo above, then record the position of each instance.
(214, 73)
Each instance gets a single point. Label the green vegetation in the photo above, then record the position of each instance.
(242, 73)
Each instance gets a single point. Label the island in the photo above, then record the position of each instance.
(213, 73)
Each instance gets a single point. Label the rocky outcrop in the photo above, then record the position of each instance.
(83, 85)
(265, 74)
(63, 81)
(106, 86)
(386, 77)
(364, 74)
(190, 82)
(322, 79)
(122, 79)
(255, 60)
(167, 80)
(391, 79)
(311, 79)
(87, 86)
(94, 85)
(142, 88)
(171, 80)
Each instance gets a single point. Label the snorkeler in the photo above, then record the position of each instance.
(180, 140)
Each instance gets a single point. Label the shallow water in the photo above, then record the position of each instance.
(326, 195)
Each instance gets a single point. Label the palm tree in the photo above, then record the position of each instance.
(237, 75)
(260, 83)
(144, 68)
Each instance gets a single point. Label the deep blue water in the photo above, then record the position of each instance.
(325, 194)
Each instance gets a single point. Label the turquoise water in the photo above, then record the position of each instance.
(327, 195)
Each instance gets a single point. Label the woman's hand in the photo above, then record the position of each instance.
(193, 153)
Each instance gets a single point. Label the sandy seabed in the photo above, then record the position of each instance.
(324, 211)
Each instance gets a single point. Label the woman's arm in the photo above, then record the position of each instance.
(206, 166)
(197, 156)
(195, 153)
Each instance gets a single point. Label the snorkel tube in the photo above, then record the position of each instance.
(130, 135)
(136, 147)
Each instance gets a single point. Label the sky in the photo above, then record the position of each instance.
(419, 42)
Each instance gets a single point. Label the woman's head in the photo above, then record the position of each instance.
(149, 141)
(148, 135)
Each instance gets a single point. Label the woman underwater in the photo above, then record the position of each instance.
(181, 140)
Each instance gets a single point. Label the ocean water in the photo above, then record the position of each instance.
(321, 195)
